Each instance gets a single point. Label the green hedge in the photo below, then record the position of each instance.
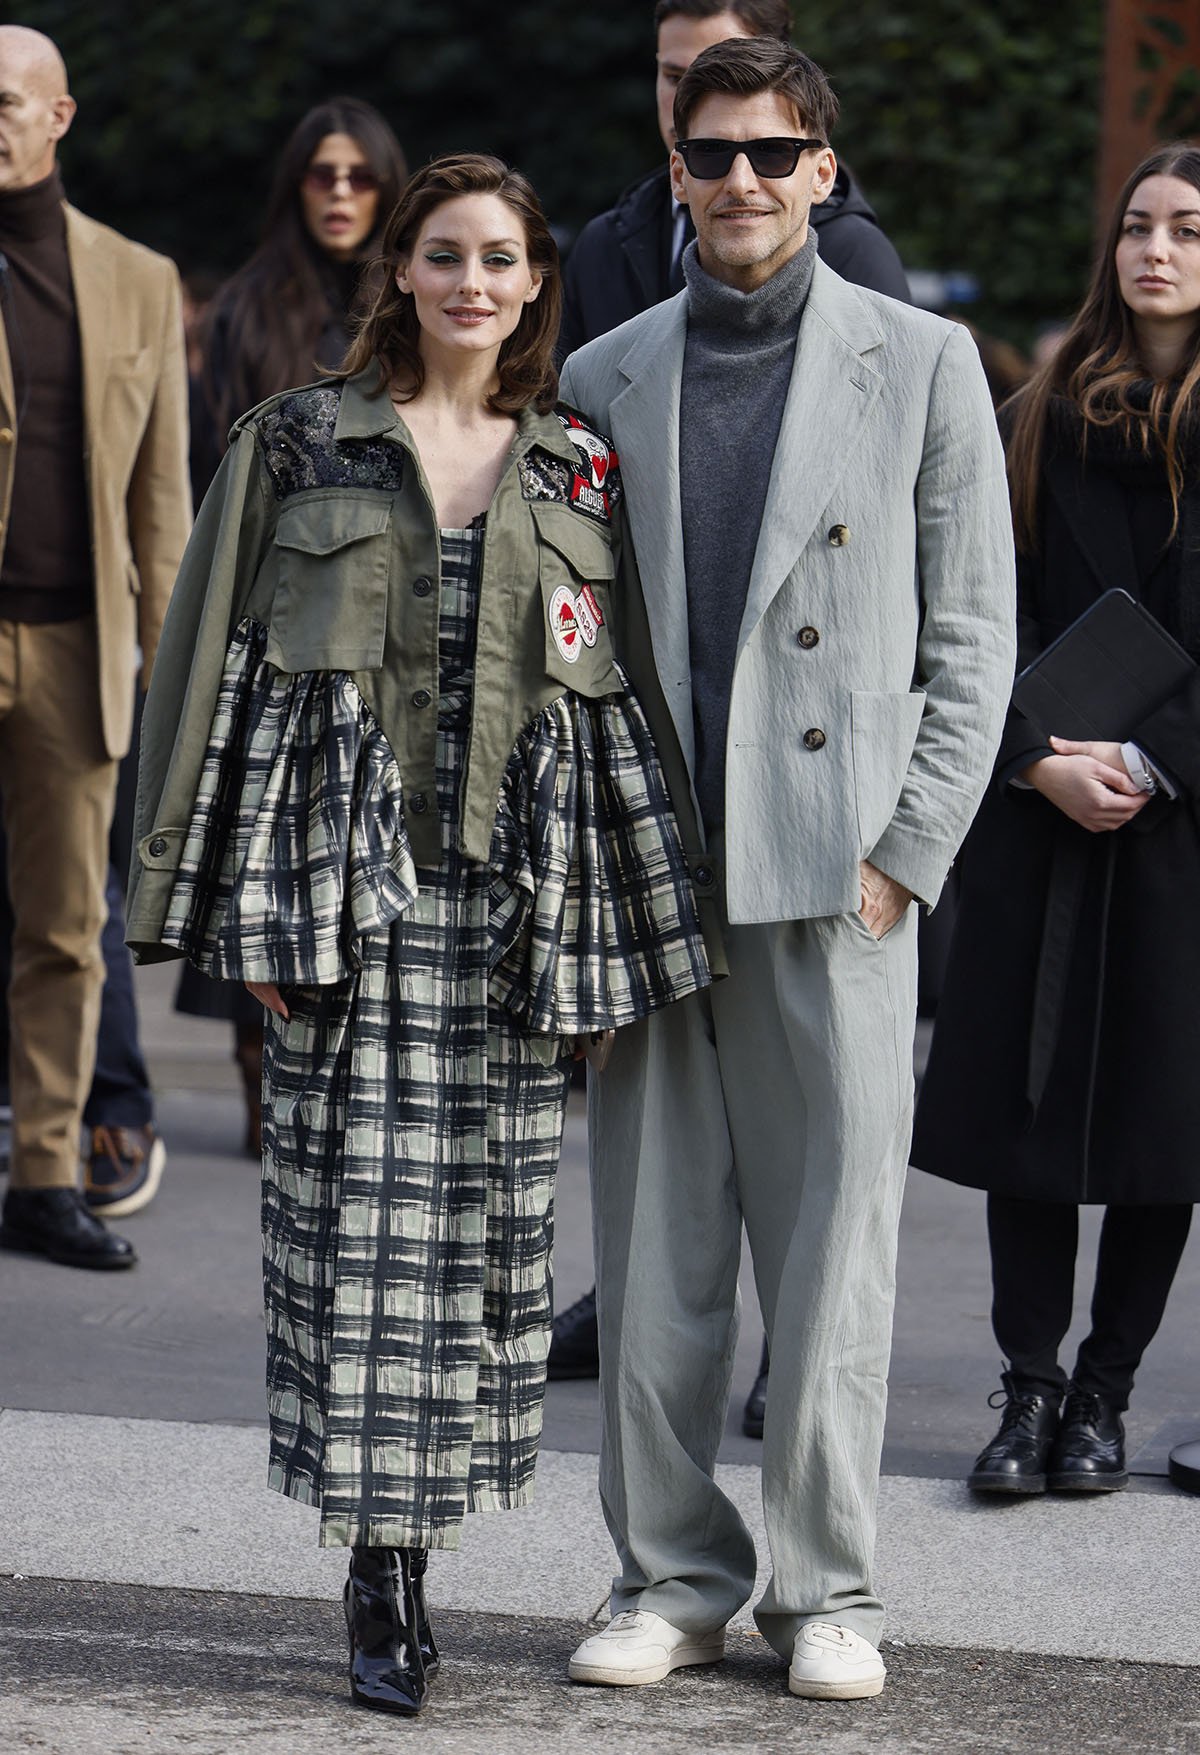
(972, 124)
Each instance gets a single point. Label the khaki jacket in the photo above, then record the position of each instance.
(135, 427)
(320, 525)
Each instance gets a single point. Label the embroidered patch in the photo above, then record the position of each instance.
(575, 621)
(592, 486)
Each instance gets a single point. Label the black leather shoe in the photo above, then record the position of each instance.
(386, 1672)
(1089, 1452)
(1015, 1460)
(56, 1223)
(755, 1410)
(575, 1341)
(417, 1562)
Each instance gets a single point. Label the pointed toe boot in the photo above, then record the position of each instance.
(386, 1672)
(417, 1560)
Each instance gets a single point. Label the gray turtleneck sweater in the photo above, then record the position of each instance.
(737, 365)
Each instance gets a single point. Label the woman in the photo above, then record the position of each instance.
(410, 799)
(282, 318)
(1063, 1062)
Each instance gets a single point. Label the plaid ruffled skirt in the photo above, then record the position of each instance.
(414, 1097)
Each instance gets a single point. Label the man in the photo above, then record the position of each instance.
(825, 649)
(94, 513)
(629, 258)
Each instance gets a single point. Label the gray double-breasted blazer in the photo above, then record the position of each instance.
(875, 657)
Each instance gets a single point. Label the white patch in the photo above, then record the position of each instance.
(564, 623)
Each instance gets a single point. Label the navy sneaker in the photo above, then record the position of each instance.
(122, 1171)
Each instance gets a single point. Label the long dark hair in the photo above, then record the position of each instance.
(268, 319)
(390, 332)
(1098, 365)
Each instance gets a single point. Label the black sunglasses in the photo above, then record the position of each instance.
(709, 159)
(323, 177)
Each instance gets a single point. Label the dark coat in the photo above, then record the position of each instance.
(620, 263)
(1084, 1088)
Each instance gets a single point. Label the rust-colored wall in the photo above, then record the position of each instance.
(1151, 85)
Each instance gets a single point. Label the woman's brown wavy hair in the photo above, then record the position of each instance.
(1098, 364)
(390, 332)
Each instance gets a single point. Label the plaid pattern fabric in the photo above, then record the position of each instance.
(411, 1135)
(297, 847)
(414, 1098)
(593, 919)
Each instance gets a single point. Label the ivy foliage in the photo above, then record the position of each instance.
(972, 125)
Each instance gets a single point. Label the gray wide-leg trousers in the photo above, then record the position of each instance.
(782, 1097)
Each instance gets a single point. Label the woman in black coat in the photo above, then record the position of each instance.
(1065, 1065)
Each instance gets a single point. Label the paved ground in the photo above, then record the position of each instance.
(167, 1602)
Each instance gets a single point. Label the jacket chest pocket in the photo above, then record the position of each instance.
(330, 605)
(575, 572)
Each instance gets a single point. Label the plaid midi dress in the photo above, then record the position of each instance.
(415, 1096)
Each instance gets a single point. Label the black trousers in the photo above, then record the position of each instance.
(1034, 1245)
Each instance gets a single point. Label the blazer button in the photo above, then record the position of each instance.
(839, 535)
(422, 698)
(418, 803)
(807, 637)
(422, 586)
(157, 847)
(814, 738)
(6, 435)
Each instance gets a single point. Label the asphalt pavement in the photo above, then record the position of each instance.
(154, 1596)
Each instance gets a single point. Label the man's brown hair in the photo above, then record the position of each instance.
(745, 66)
(762, 18)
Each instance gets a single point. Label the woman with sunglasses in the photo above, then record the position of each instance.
(284, 317)
(1063, 1064)
(394, 779)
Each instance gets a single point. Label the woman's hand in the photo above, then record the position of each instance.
(269, 995)
(1088, 783)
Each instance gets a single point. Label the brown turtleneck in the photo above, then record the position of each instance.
(46, 573)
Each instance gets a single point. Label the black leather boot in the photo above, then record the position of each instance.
(1089, 1452)
(1015, 1460)
(418, 1560)
(56, 1223)
(755, 1410)
(386, 1672)
(575, 1341)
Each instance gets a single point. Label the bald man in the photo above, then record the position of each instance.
(94, 513)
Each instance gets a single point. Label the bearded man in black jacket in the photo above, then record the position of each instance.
(629, 258)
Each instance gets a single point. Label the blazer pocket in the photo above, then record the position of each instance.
(330, 606)
(575, 572)
(884, 730)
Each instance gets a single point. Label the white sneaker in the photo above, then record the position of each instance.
(831, 1663)
(638, 1647)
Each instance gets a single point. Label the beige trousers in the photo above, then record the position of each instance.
(59, 788)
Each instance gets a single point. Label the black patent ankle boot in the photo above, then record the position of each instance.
(1089, 1452)
(1015, 1460)
(386, 1672)
(417, 1559)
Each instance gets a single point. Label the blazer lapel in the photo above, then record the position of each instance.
(8, 393)
(92, 278)
(831, 391)
(645, 423)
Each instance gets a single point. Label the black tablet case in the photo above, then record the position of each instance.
(1110, 670)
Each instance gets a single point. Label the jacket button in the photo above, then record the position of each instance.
(814, 738)
(422, 698)
(839, 535)
(157, 847)
(704, 876)
(422, 586)
(808, 637)
(418, 803)
(6, 435)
